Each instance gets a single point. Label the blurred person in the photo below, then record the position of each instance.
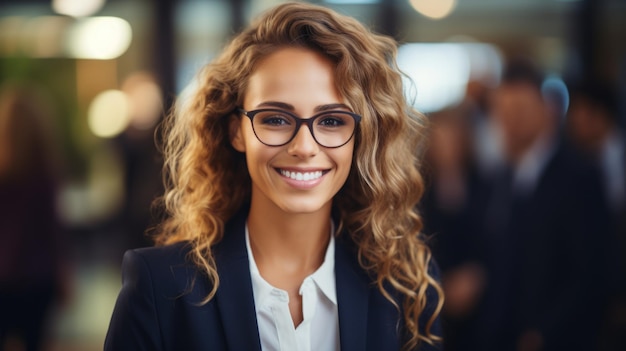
(593, 126)
(292, 187)
(451, 207)
(545, 231)
(32, 272)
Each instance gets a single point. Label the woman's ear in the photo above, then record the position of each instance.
(235, 134)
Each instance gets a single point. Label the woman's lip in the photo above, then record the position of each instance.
(302, 179)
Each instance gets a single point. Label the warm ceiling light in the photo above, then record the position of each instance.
(101, 38)
(352, 2)
(77, 8)
(435, 9)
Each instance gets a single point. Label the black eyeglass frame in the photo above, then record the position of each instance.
(299, 121)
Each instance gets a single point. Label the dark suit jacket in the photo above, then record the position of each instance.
(547, 263)
(159, 306)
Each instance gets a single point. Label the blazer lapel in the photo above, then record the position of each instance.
(234, 297)
(352, 299)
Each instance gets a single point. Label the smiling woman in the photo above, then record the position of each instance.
(292, 178)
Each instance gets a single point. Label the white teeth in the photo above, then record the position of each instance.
(301, 175)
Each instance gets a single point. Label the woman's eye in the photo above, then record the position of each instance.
(331, 121)
(275, 120)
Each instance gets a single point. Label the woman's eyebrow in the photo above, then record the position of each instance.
(289, 107)
(331, 107)
(277, 104)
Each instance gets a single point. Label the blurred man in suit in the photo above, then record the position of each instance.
(593, 126)
(545, 227)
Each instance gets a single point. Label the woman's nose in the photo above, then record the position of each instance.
(303, 144)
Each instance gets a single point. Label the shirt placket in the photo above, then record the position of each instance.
(303, 332)
(282, 319)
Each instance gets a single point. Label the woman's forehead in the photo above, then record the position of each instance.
(296, 76)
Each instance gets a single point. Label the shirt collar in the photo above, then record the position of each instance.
(531, 166)
(324, 276)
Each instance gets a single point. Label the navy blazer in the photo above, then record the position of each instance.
(159, 305)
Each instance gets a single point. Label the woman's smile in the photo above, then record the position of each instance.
(302, 179)
(305, 176)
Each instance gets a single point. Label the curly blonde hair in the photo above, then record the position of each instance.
(207, 180)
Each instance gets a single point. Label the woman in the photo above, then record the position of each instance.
(291, 187)
(33, 273)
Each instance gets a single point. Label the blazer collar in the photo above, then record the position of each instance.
(234, 297)
(352, 297)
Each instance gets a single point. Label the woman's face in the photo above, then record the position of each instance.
(300, 176)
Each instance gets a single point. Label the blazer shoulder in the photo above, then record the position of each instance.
(174, 253)
(169, 268)
(156, 281)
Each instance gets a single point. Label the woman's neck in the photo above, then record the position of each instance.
(294, 242)
(288, 247)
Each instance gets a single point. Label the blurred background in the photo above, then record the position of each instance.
(84, 83)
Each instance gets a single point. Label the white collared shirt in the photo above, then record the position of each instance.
(319, 329)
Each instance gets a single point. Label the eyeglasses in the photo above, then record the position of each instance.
(274, 127)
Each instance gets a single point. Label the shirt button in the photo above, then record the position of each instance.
(280, 295)
(284, 297)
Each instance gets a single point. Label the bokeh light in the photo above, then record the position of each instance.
(108, 114)
(99, 38)
(77, 8)
(435, 9)
(554, 90)
(437, 74)
(145, 100)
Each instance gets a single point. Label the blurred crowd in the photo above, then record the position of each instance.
(525, 208)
